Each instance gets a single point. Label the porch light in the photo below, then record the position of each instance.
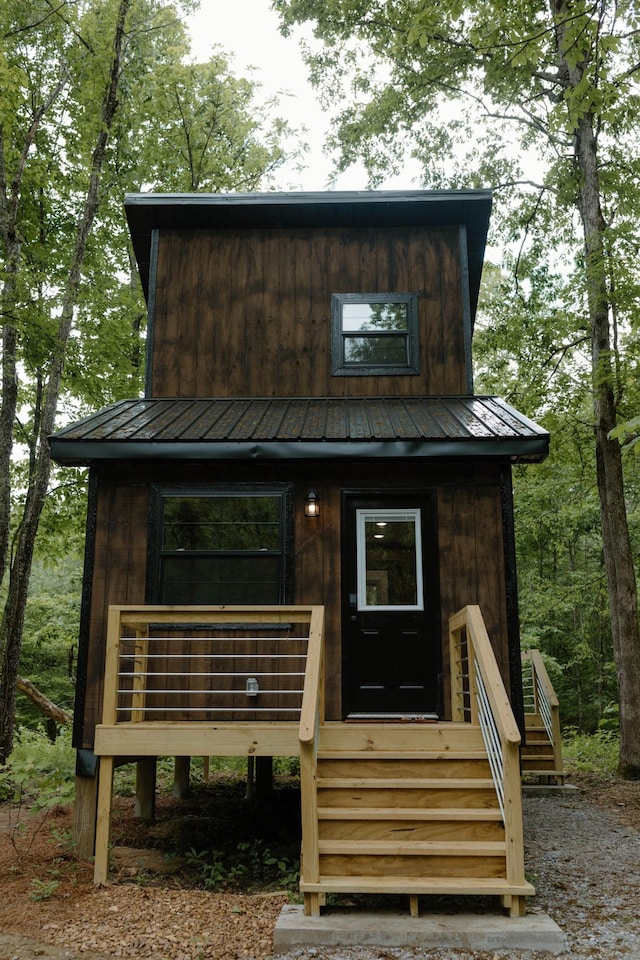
(312, 504)
(252, 687)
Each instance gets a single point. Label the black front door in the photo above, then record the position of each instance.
(391, 630)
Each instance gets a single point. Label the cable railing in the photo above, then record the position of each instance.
(541, 700)
(478, 696)
(195, 664)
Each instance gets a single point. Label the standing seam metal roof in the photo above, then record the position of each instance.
(302, 427)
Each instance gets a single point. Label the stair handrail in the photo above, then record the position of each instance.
(312, 710)
(546, 703)
(488, 706)
(311, 716)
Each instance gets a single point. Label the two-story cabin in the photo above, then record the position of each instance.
(301, 539)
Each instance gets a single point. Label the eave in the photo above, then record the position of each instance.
(147, 212)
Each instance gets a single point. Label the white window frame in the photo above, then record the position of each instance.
(387, 516)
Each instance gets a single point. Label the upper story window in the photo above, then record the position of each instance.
(374, 333)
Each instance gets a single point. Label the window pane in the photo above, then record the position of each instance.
(374, 316)
(227, 580)
(221, 523)
(375, 350)
(389, 559)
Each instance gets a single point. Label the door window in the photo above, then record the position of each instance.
(389, 560)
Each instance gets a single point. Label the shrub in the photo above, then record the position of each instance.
(39, 773)
(596, 752)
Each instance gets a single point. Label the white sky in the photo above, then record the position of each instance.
(248, 29)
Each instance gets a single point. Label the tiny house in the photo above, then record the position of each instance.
(300, 540)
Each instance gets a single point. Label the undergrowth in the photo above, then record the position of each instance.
(591, 753)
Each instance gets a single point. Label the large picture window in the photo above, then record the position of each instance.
(374, 333)
(223, 547)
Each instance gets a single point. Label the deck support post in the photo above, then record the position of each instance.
(312, 904)
(251, 779)
(84, 817)
(145, 804)
(103, 820)
(181, 777)
(264, 777)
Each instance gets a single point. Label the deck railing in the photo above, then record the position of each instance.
(540, 698)
(176, 683)
(176, 664)
(478, 696)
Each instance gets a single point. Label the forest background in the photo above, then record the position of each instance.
(103, 97)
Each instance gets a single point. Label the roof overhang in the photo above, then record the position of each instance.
(147, 212)
(228, 429)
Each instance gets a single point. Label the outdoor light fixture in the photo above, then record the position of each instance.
(312, 504)
(252, 688)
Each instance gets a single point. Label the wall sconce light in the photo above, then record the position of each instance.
(252, 687)
(312, 504)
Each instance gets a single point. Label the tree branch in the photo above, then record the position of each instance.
(43, 703)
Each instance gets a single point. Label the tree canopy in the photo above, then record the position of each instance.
(99, 97)
(540, 101)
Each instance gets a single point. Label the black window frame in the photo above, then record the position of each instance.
(344, 368)
(157, 553)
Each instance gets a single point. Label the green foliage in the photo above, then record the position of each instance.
(43, 889)
(50, 641)
(596, 752)
(244, 865)
(39, 774)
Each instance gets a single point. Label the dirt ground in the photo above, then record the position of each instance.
(583, 855)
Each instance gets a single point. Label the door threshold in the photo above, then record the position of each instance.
(393, 717)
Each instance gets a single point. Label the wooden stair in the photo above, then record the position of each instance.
(537, 757)
(408, 808)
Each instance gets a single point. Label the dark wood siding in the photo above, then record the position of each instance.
(247, 313)
(470, 546)
(118, 577)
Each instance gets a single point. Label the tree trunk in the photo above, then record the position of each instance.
(12, 623)
(618, 556)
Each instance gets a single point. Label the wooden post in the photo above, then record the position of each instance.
(140, 669)
(264, 777)
(310, 865)
(251, 780)
(84, 817)
(103, 820)
(181, 777)
(145, 805)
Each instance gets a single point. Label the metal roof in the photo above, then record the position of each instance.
(147, 212)
(302, 428)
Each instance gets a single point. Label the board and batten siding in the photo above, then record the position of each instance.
(118, 577)
(248, 312)
(470, 549)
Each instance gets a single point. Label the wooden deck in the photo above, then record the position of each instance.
(413, 807)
